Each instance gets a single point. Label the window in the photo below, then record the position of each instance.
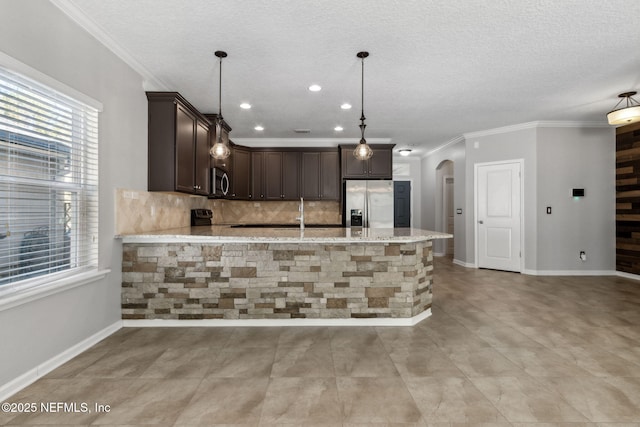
(48, 184)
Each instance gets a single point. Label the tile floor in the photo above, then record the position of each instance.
(501, 349)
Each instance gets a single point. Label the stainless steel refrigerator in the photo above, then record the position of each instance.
(374, 199)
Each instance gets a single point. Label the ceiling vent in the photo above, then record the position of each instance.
(302, 130)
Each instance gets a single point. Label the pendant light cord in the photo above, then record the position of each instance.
(362, 117)
(220, 92)
(362, 92)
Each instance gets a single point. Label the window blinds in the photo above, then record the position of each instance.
(48, 184)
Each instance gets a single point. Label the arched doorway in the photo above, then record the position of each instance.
(444, 206)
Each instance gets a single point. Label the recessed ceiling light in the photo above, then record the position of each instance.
(245, 106)
(345, 106)
(259, 128)
(315, 88)
(338, 128)
(404, 152)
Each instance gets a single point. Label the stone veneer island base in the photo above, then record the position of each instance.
(220, 273)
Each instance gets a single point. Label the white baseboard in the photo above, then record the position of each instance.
(439, 254)
(464, 264)
(29, 377)
(375, 321)
(569, 272)
(627, 275)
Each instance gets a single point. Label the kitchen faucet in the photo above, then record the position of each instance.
(301, 217)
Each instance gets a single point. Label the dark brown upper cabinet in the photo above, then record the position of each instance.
(377, 167)
(257, 168)
(320, 175)
(178, 144)
(275, 175)
(240, 173)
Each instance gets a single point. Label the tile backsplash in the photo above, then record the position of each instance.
(244, 212)
(142, 211)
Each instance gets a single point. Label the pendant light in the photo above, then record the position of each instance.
(220, 150)
(362, 151)
(627, 114)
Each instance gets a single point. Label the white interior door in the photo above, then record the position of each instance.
(498, 216)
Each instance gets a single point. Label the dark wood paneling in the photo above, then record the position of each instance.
(628, 199)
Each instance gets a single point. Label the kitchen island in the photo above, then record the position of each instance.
(267, 276)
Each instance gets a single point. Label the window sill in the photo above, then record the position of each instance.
(28, 295)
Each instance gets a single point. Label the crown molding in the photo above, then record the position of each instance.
(518, 127)
(453, 141)
(150, 83)
(304, 142)
(534, 125)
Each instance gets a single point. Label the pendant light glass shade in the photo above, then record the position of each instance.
(626, 115)
(220, 150)
(362, 151)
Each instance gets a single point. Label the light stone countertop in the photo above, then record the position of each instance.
(226, 234)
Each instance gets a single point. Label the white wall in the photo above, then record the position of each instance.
(456, 153)
(38, 34)
(486, 147)
(557, 157)
(576, 158)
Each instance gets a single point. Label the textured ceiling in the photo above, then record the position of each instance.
(436, 70)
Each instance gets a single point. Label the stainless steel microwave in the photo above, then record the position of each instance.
(219, 182)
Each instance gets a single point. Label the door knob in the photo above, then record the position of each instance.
(480, 222)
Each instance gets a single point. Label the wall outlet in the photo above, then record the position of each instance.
(583, 256)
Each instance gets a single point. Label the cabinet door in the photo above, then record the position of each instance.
(352, 167)
(202, 164)
(272, 183)
(185, 129)
(311, 176)
(241, 173)
(257, 169)
(329, 176)
(290, 175)
(380, 164)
